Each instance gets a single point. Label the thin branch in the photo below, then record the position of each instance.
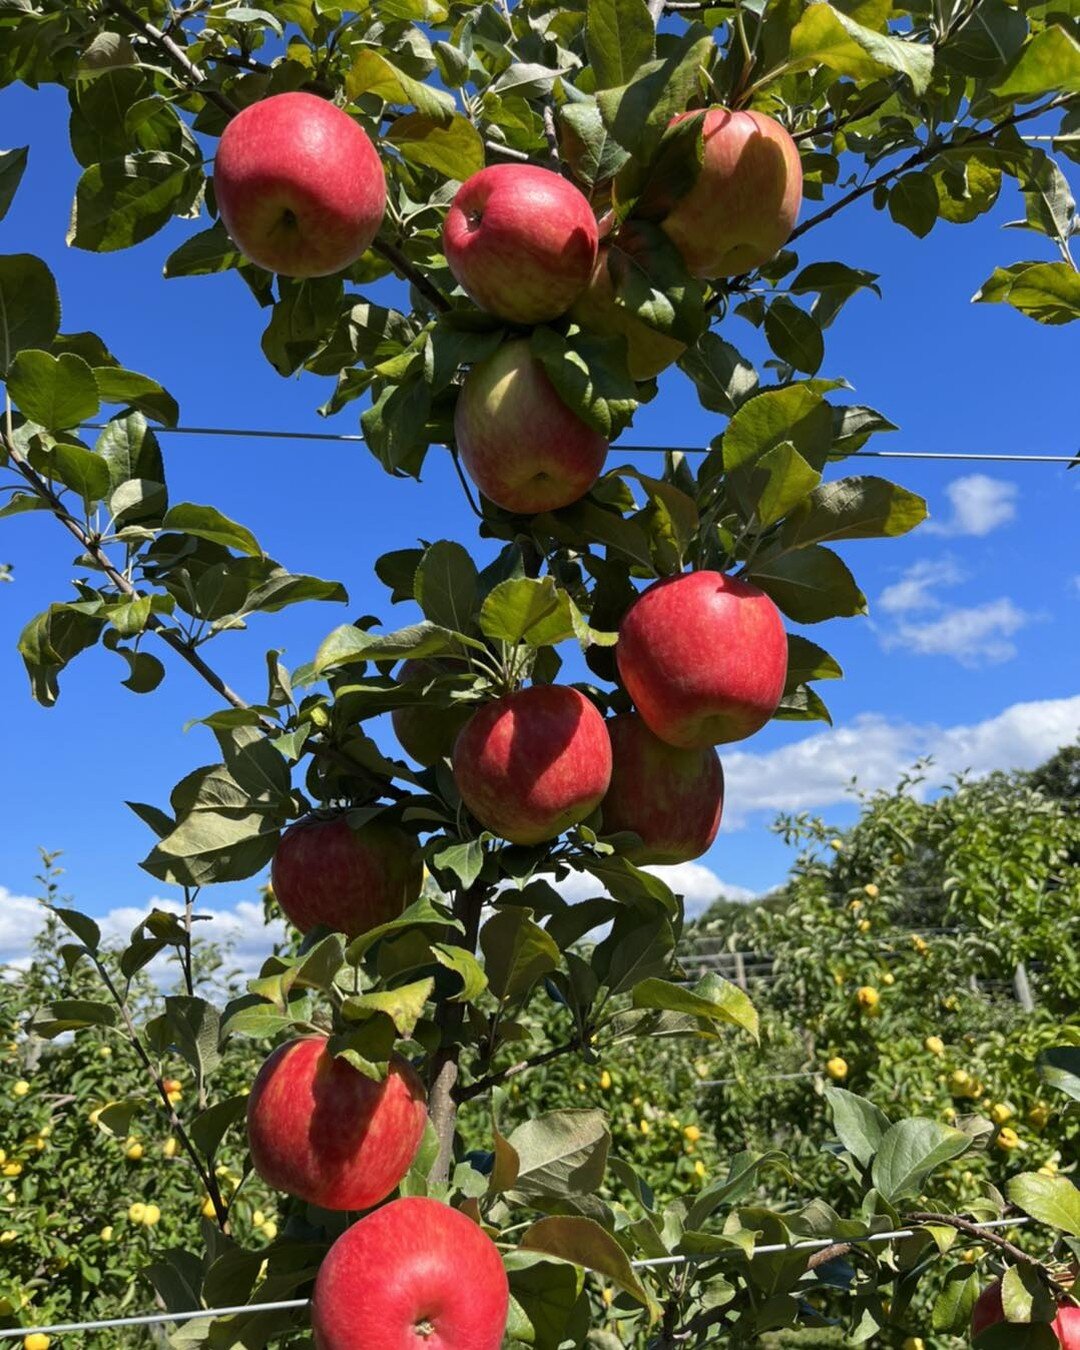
(926, 153)
(242, 61)
(179, 57)
(491, 1080)
(404, 268)
(91, 547)
(551, 135)
(465, 484)
(972, 1229)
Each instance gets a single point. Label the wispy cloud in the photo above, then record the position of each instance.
(917, 588)
(978, 636)
(979, 503)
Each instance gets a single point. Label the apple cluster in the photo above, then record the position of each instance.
(703, 656)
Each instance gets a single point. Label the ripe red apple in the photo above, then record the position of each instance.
(427, 732)
(671, 798)
(596, 310)
(321, 1130)
(326, 872)
(745, 201)
(414, 1275)
(299, 185)
(989, 1310)
(523, 447)
(533, 763)
(704, 657)
(521, 241)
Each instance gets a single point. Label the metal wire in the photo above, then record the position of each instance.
(263, 434)
(149, 1319)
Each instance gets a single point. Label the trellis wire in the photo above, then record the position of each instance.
(264, 434)
(769, 1249)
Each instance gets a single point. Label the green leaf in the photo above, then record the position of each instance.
(712, 999)
(825, 36)
(639, 111)
(403, 1005)
(1054, 1201)
(618, 40)
(770, 486)
(209, 1127)
(423, 914)
(51, 639)
(808, 661)
(810, 585)
(465, 965)
(131, 450)
(12, 166)
(1060, 1067)
(652, 282)
(73, 1014)
(349, 644)
(445, 586)
(795, 413)
(584, 1243)
(453, 149)
(1046, 292)
(1048, 64)
(373, 73)
(589, 375)
(56, 392)
(465, 860)
(723, 376)
(910, 1151)
(194, 1027)
(84, 928)
(29, 306)
(1016, 1336)
(954, 1305)
(588, 147)
(123, 201)
(862, 507)
(517, 953)
(527, 609)
(207, 522)
(562, 1153)
(254, 763)
(859, 1124)
(794, 335)
(80, 469)
(913, 203)
(116, 385)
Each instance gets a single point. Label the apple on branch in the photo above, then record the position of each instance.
(321, 1130)
(522, 446)
(704, 658)
(533, 763)
(414, 1273)
(745, 200)
(670, 798)
(350, 880)
(299, 185)
(521, 241)
(989, 1310)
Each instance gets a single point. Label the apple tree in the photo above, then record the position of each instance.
(573, 197)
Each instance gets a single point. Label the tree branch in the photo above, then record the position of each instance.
(405, 269)
(988, 1235)
(178, 56)
(491, 1080)
(442, 1104)
(925, 153)
(89, 545)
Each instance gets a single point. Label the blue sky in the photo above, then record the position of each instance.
(970, 652)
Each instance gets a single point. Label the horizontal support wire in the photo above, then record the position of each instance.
(150, 1319)
(263, 434)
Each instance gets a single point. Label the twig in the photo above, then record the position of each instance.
(972, 1229)
(404, 268)
(551, 135)
(179, 57)
(95, 551)
(491, 1080)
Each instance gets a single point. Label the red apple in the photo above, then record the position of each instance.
(745, 201)
(426, 731)
(704, 657)
(321, 1130)
(414, 1275)
(596, 309)
(989, 1310)
(326, 872)
(671, 798)
(299, 185)
(533, 763)
(523, 447)
(521, 241)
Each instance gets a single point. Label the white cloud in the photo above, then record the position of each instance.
(979, 504)
(817, 771)
(240, 931)
(694, 881)
(976, 636)
(915, 589)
